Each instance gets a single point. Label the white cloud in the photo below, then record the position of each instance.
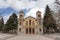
(6, 17)
(5, 4)
(33, 11)
(25, 4)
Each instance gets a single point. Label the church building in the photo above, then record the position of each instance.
(30, 25)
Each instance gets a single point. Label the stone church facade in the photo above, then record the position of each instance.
(30, 25)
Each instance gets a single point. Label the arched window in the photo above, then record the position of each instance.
(20, 16)
(40, 29)
(20, 23)
(39, 16)
(33, 23)
(19, 29)
(26, 22)
(29, 22)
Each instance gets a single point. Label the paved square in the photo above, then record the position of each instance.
(29, 37)
(6, 36)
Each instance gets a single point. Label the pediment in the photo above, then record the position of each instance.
(30, 17)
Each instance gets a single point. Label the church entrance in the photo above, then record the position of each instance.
(30, 31)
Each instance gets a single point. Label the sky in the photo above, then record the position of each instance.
(30, 7)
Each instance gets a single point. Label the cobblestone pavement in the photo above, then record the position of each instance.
(6, 36)
(30, 37)
(52, 36)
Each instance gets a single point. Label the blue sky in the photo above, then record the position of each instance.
(7, 7)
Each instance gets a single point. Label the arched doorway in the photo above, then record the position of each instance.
(26, 30)
(30, 31)
(33, 30)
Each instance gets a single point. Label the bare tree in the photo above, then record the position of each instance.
(57, 1)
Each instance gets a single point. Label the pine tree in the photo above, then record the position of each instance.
(1, 24)
(48, 21)
(12, 23)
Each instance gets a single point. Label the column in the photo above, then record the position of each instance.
(28, 30)
(31, 31)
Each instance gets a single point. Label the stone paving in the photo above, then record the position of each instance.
(29, 37)
(6, 36)
(52, 36)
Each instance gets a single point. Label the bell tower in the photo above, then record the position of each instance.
(20, 22)
(39, 21)
(38, 16)
(21, 17)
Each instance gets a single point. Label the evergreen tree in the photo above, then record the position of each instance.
(12, 23)
(1, 24)
(48, 21)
